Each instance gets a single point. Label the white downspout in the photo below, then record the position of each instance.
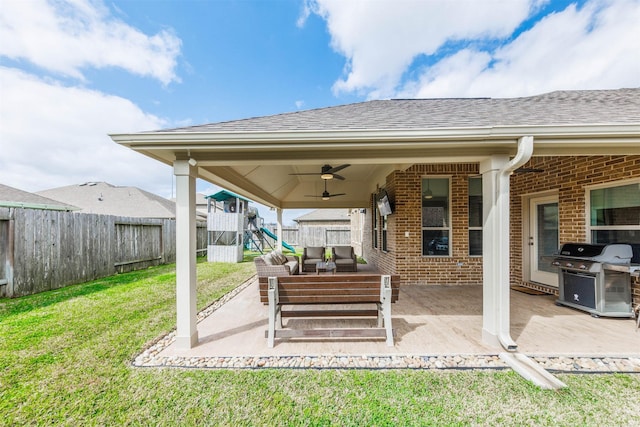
(523, 155)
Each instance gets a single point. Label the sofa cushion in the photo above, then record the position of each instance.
(315, 252)
(342, 251)
(293, 267)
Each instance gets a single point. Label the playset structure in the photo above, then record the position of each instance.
(233, 225)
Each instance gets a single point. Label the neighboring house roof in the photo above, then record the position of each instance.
(325, 215)
(201, 205)
(14, 198)
(555, 108)
(106, 199)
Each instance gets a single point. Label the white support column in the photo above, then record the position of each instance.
(279, 229)
(186, 331)
(495, 250)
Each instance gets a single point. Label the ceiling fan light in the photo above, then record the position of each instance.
(326, 176)
(325, 197)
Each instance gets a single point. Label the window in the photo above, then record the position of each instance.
(614, 214)
(384, 233)
(435, 217)
(374, 222)
(475, 216)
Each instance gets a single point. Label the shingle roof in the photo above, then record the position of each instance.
(555, 108)
(13, 197)
(325, 215)
(106, 199)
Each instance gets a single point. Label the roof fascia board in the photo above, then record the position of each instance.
(66, 208)
(168, 140)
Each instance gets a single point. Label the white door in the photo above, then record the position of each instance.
(543, 239)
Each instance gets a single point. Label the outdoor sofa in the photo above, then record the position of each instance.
(276, 264)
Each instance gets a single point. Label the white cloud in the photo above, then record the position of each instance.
(67, 36)
(592, 48)
(52, 135)
(381, 39)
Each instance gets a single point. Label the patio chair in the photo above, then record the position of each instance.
(345, 258)
(311, 256)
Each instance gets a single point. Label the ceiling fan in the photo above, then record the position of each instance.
(327, 172)
(325, 194)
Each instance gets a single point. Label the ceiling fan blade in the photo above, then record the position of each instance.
(338, 168)
(340, 177)
(306, 173)
(338, 194)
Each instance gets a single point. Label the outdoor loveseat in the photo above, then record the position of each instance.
(275, 264)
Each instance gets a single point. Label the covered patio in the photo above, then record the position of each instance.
(280, 161)
(442, 323)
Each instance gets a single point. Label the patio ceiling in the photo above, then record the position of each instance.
(259, 166)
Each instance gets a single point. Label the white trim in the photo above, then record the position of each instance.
(544, 133)
(547, 279)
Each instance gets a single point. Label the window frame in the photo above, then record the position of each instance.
(448, 228)
(474, 228)
(374, 222)
(384, 243)
(587, 217)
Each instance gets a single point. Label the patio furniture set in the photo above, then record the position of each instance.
(314, 260)
(284, 280)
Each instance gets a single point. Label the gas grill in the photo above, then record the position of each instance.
(595, 278)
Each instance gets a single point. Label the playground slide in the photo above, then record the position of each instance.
(274, 237)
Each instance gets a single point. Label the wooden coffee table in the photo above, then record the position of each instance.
(325, 267)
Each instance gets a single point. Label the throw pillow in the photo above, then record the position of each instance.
(278, 258)
(268, 259)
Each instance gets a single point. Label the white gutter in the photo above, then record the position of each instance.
(525, 151)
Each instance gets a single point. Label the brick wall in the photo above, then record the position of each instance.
(404, 254)
(567, 175)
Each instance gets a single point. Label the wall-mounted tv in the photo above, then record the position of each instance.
(384, 205)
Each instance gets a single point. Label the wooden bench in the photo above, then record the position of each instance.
(377, 289)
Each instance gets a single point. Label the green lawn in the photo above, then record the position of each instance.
(65, 360)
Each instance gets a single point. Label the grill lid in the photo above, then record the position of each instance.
(582, 250)
(612, 253)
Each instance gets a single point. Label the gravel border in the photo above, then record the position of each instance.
(575, 364)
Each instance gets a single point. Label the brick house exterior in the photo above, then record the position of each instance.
(568, 177)
(566, 141)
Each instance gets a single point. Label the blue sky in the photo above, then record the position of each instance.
(73, 71)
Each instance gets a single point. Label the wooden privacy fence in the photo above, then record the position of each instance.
(42, 250)
(315, 236)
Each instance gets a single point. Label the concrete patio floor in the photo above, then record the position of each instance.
(428, 320)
